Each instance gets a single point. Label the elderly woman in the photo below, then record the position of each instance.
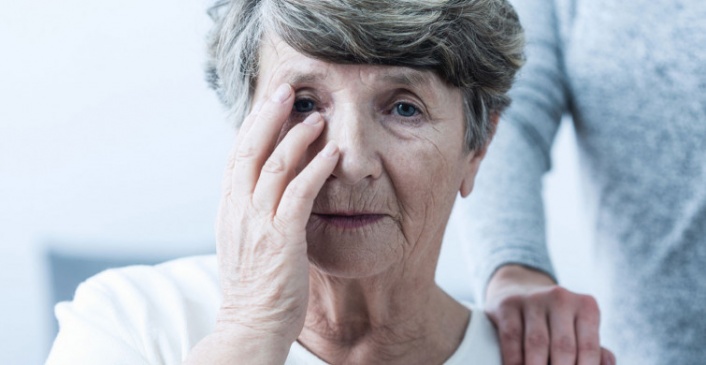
(362, 120)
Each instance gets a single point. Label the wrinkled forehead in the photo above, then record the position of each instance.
(280, 63)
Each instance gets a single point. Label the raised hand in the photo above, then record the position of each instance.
(261, 231)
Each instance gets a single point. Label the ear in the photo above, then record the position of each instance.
(474, 159)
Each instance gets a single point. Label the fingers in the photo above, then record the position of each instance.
(257, 140)
(298, 199)
(249, 121)
(547, 324)
(536, 341)
(587, 334)
(239, 135)
(280, 167)
(563, 336)
(511, 332)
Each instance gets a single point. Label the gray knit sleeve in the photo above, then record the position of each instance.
(505, 213)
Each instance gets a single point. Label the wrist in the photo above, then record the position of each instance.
(513, 278)
(258, 324)
(237, 345)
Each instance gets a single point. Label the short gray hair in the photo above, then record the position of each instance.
(475, 45)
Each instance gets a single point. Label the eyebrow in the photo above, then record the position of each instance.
(305, 78)
(421, 82)
(407, 77)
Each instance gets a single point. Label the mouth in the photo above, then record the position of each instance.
(349, 220)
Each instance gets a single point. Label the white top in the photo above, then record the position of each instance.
(156, 314)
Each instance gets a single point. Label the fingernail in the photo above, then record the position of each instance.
(282, 93)
(330, 150)
(313, 119)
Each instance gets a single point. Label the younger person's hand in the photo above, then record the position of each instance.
(541, 323)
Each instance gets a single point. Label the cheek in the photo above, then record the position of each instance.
(429, 166)
(424, 188)
(424, 179)
(411, 178)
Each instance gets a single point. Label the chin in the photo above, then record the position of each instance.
(350, 256)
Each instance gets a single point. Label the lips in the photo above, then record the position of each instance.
(349, 220)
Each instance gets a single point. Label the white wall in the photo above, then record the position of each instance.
(568, 231)
(111, 142)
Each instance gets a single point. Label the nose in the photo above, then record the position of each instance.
(354, 131)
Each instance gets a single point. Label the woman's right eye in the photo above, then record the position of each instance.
(303, 106)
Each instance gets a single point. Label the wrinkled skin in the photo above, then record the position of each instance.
(325, 140)
(395, 153)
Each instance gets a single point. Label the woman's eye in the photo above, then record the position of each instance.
(303, 106)
(406, 110)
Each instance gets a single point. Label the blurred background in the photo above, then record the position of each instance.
(112, 149)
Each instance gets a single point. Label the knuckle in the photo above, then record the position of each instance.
(245, 152)
(588, 303)
(589, 346)
(589, 311)
(274, 165)
(510, 333)
(511, 302)
(538, 299)
(280, 226)
(537, 339)
(560, 295)
(256, 211)
(297, 191)
(564, 344)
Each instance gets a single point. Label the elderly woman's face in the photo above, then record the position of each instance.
(401, 133)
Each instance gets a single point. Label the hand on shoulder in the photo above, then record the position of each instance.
(540, 322)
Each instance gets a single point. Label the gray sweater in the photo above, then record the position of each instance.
(632, 73)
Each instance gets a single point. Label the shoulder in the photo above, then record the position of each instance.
(172, 288)
(480, 344)
(157, 313)
(181, 274)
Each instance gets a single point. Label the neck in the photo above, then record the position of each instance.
(380, 320)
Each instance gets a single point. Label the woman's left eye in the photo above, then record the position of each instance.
(406, 109)
(303, 106)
